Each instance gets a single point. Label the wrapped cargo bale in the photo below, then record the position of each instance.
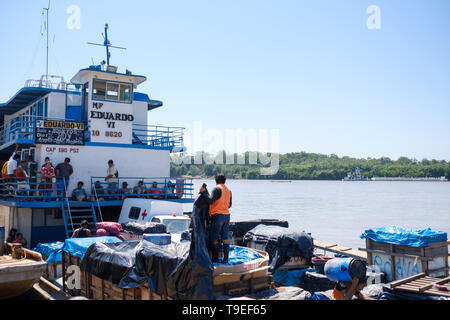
(141, 228)
(282, 244)
(240, 228)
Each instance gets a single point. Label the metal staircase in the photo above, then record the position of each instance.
(72, 216)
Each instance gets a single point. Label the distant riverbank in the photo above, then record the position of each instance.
(313, 166)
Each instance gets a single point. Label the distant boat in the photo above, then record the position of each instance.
(354, 176)
(282, 181)
(425, 179)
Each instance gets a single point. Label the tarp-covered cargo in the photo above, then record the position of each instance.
(78, 246)
(178, 270)
(281, 243)
(141, 228)
(51, 250)
(404, 236)
(240, 228)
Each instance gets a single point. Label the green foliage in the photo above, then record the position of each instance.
(312, 166)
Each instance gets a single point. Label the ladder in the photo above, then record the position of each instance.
(74, 216)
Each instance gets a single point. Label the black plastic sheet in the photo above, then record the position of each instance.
(142, 228)
(179, 270)
(240, 228)
(281, 244)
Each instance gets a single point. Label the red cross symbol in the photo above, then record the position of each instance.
(144, 214)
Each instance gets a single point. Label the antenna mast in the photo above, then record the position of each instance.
(46, 69)
(106, 44)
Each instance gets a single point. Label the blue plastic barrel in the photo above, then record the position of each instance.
(2, 240)
(345, 269)
(160, 239)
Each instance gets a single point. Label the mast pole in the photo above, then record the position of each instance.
(46, 68)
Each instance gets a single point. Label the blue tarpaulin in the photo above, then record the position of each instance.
(405, 236)
(52, 250)
(290, 278)
(78, 246)
(240, 255)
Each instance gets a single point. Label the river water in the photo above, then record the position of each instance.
(338, 212)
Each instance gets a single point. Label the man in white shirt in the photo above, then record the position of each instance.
(12, 166)
(111, 177)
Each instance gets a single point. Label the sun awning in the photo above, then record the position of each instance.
(23, 98)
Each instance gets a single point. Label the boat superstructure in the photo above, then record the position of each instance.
(97, 116)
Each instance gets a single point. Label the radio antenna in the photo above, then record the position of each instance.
(46, 69)
(106, 44)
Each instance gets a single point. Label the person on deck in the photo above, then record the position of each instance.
(11, 168)
(124, 191)
(47, 160)
(12, 235)
(220, 203)
(32, 172)
(79, 194)
(63, 172)
(22, 177)
(83, 231)
(155, 192)
(111, 178)
(98, 191)
(47, 175)
(20, 240)
(344, 290)
(140, 189)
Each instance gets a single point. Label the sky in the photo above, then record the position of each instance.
(312, 70)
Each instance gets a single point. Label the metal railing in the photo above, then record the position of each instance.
(43, 189)
(35, 188)
(46, 81)
(138, 187)
(158, 136)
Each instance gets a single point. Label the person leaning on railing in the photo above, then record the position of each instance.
(21, 176)
(46, 185)
(11, 169)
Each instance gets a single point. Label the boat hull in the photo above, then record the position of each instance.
(16, 278)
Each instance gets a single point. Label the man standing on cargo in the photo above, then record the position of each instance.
(220, 203)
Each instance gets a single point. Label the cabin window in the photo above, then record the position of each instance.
(134, 213)
(99, 90)
(112, 91)
(125, 92)
(156, 220)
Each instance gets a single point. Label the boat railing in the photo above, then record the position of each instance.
(41, 188)
(23, 127)
(35, 188)
(158, 136)
(49, 82)
(139, 187)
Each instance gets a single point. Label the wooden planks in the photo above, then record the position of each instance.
(422, 284)
(339, 249)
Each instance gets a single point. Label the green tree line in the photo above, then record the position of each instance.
(306, 166)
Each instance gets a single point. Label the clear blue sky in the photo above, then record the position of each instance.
(309, 68)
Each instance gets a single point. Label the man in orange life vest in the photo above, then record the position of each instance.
(220, 203)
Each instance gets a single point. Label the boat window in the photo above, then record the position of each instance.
(156, 220)
(99, 89)
(134, 213)
(125, 92)
(112, 92)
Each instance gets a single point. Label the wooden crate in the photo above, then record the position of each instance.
(93, 287)
(422, 284)
(399, 262)
(238, 284)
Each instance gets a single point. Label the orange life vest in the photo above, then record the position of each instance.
(338, 295)
(221, 205)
